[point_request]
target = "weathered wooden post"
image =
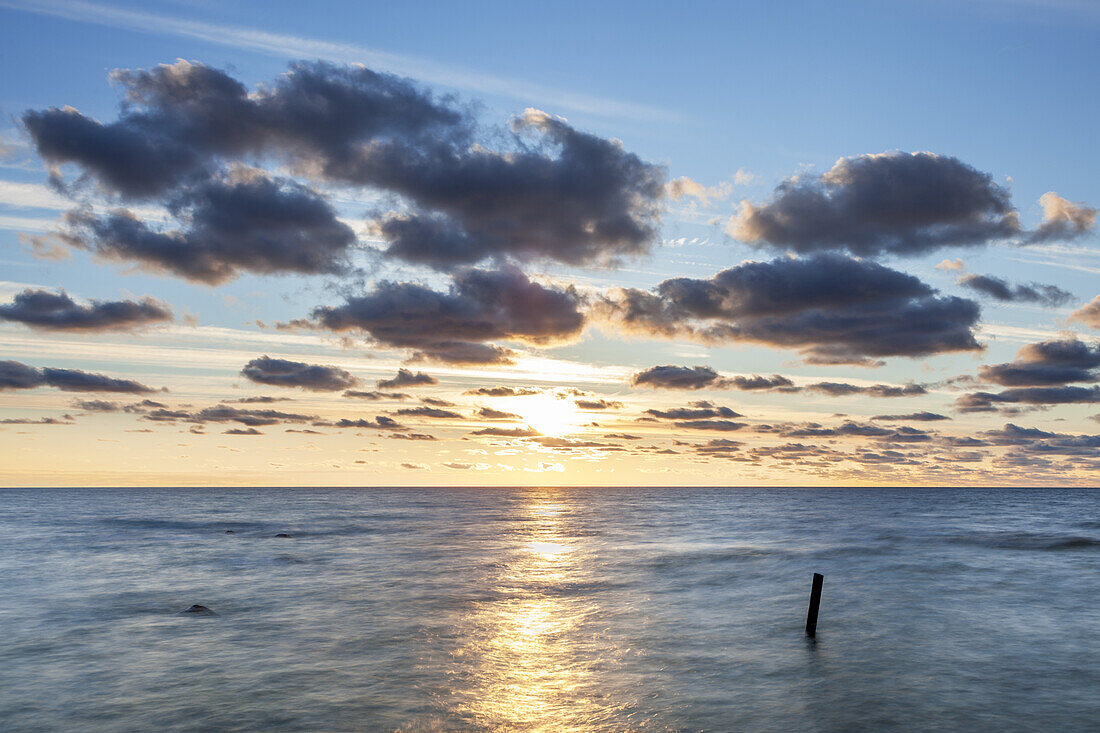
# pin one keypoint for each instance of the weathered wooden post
(815, 601)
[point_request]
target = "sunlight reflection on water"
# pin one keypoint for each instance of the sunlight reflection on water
(532, 652)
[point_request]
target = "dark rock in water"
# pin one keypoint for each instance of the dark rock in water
(201, 610)
(282, 534)
(229, 531)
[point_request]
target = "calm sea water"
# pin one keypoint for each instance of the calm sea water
(557, 610)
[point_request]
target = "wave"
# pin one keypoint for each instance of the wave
(1029, 541)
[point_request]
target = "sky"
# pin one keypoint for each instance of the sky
(743, 244)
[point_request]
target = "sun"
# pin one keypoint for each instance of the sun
(547, 413)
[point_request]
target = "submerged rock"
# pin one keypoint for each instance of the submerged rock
(196, 608)
(282, 534)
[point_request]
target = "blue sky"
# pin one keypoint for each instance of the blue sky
(734, 97)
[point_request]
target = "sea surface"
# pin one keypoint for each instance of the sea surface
(549, 610)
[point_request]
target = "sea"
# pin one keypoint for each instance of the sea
(549, 609)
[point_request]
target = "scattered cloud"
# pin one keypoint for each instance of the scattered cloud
(285, 373)
(1050, 296)
(48, 311)
(406, 378)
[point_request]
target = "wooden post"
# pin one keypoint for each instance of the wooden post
(815, 601)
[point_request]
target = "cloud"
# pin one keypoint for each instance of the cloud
(242, 431)
(890, 203)
(1048, 295)
(1033, 440)
(503, 391)
(722, 425)
(559, 194)
(380, 422)
(843, 389)
(949, 265)
(988, 401)
(433, 412)
(1089, 314)
(376, 396)
(250, 417)
(696, 411)
(64, 420)
(58, 312)
(1047, 363)
(454, 326)
(284, 373)
(488, 413)
(912, 416)
(507, 432)
(178, 118)
(406, 378)
(244, 221)
(668, 376)
(1062, 219)
(16, 375)
(832, 309)
(600, 404)
(551, 191)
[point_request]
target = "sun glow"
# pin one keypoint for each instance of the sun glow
(547, 413)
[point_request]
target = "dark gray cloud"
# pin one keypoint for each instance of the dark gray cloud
(242, 431)
(912, 416)
(488, 413)
(560, 194)
(1048, 295)
(222, 413)
(600, 404)
(507, 432)
(503, 391)
(896, 203)
(668, 376)
(722, 425)
(989, 401)
(58, 312)
(16, 375)
(376, 396)
(284, 373)
(406, 378)
(1047, 363)
(380, 422)
(432, 412)
(245, 221)
(179, 119)
(63, 420)
(831, 308)
(260, 400)
(453, 326)
(548, 192)
(1034, 440)
(843, 389)
(695, 411)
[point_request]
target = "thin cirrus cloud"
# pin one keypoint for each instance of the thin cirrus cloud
(457, 326)
(902, 204)
(282, 45)
(832, 309)
(551, 192)
(41, 309)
